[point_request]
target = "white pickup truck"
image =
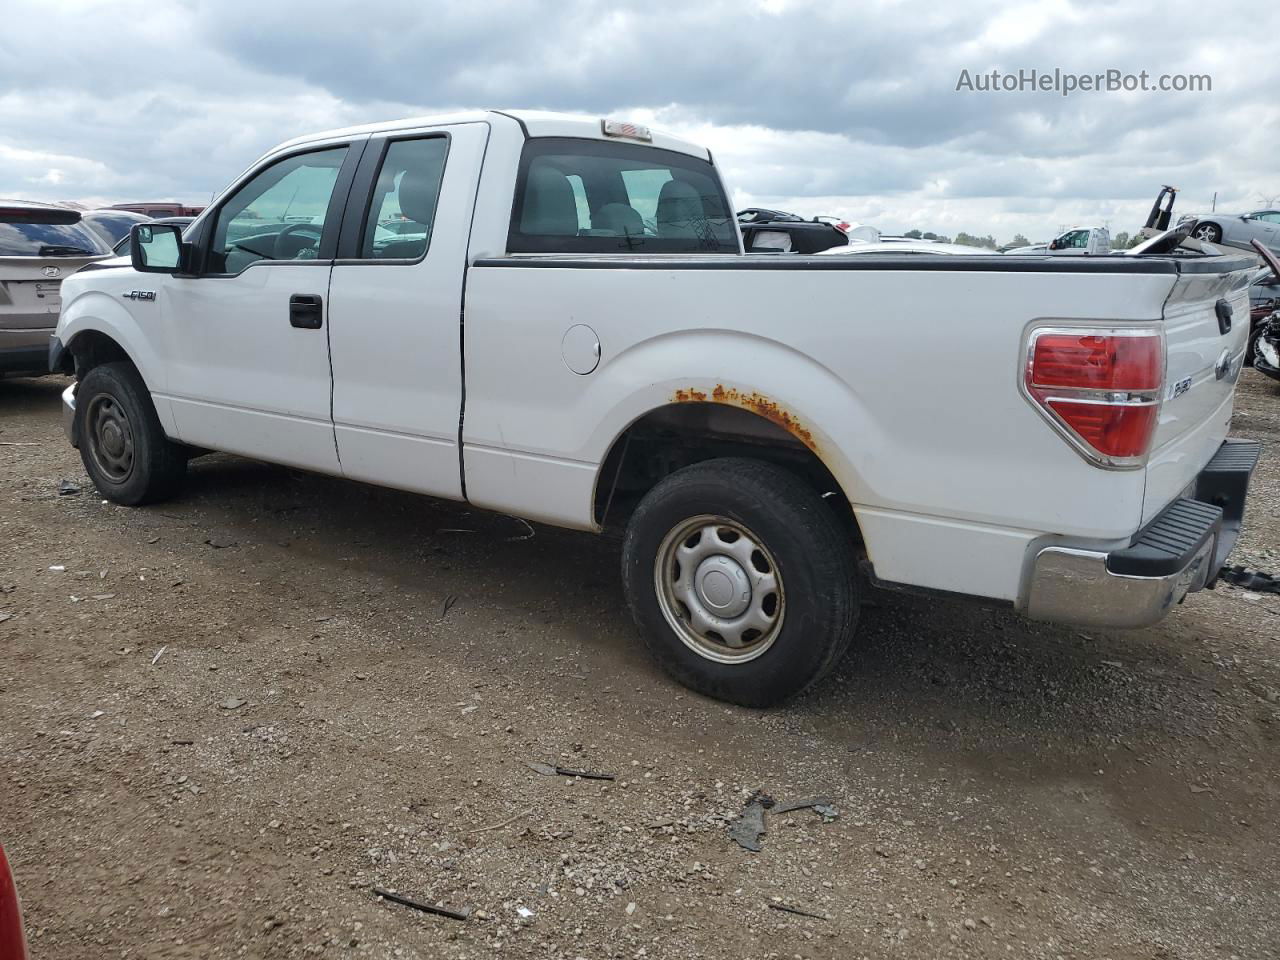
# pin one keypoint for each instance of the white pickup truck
(553, 317)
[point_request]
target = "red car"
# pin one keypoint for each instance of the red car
(13, 944)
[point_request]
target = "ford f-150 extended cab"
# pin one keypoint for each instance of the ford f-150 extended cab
(553, 317)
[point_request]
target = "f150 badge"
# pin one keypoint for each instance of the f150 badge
(139, 295)
(1179, 388)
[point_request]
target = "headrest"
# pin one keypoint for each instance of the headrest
(549, 205)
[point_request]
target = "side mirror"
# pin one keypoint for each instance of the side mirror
(1054, 245)
(158, 248)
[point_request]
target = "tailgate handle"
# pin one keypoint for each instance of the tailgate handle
(1223, 310)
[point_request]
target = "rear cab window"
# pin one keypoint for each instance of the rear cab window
(597, 196)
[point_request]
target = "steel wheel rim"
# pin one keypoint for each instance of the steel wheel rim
(719, 589)
(1206, 233)
(110, 438)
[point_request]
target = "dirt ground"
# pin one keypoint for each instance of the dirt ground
(225, 719)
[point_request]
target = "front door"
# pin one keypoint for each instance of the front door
(248, 334)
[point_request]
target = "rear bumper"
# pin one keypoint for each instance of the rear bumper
(24, 359)
(1179, 552)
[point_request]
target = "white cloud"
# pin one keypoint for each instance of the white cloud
(810, 105)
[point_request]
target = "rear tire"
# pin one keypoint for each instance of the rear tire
(741, 580)
(124, 448)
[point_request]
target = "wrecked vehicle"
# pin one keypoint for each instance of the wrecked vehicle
(566, 328)
(1264, 296)
(774, 230)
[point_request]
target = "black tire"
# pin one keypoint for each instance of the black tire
(807, 544)
(1212, 233)
(1251, 350)
(124, 448)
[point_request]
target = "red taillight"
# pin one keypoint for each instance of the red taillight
(1101, 388)
(1090, 362)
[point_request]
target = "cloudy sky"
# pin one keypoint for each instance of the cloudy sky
(828, 107)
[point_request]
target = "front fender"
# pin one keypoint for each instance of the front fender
(101, 311)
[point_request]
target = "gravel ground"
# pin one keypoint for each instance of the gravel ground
(225, 719)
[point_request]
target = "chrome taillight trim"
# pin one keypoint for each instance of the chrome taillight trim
(1141, 398)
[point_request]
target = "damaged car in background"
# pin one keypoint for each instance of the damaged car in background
(1265, 337)
(1238, 229)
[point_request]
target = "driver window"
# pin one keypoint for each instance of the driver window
(278, 215)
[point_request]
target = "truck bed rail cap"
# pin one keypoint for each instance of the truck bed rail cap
(915, 262)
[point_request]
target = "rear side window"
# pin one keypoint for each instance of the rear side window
(403, 208)
(594, 196)
(48, 240)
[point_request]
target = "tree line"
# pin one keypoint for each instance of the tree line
(1121, 241)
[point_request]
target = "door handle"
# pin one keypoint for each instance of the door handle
(306, 310)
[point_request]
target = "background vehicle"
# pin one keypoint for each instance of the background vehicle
(125, 244)
(40, 246)
(774, 230)
(1158, 220)
(1264, 298)
(111, 226)
(1029, 250)
(13, 942)
(1238, 230)
(1081, 241)
(574, 335)
(160, 209)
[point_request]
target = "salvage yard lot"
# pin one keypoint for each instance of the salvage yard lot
(228, 717)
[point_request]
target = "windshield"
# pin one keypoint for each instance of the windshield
(114, 226)
(49, 240)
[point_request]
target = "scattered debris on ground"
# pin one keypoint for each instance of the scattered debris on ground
(424, 907)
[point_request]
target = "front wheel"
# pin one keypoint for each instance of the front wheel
(741, 580)
(124, 448)
(1208, 232)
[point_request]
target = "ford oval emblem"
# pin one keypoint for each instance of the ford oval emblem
(51, 271)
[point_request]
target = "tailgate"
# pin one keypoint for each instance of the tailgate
(31, 289)
(1206, 318)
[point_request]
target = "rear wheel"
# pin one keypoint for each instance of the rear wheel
(1209, 232)
(741, 580)
(122, 444)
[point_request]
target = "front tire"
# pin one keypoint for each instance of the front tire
(124, 448)
(1208, 232)
(741, 580)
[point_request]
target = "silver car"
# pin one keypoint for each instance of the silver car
(40, 245)
(1237, 229)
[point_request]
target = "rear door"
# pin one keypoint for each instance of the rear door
(1206, 320)
(247, 337)
(395, 308)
